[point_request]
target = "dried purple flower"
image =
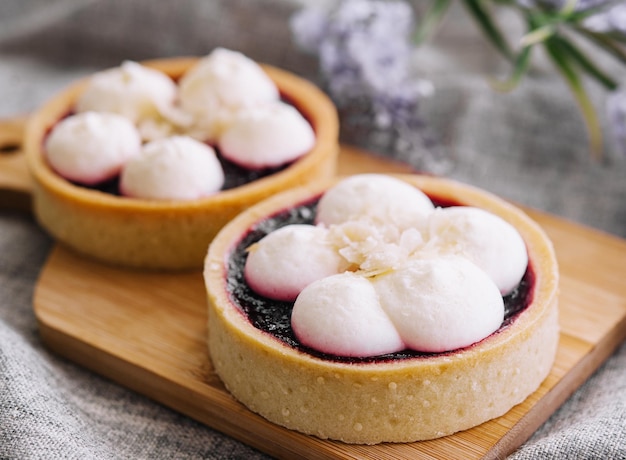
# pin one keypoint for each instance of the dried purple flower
(364, 52)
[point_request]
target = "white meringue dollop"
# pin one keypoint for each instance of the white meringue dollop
(285, 261)
(380, 197)
(484, 238)
(267, 136)
(132, 90)
(341, 315)
(174, 168)
(91, 147)
(220, 85)
(440, 304)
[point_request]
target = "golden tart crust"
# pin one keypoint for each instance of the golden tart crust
(393, 401)
(174, 234)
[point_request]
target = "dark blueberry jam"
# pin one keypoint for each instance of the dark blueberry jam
(274, 317)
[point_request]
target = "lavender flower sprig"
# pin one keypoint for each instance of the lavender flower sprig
(556, 25)
(364, 49)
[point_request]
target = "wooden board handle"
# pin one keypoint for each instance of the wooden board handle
(15, 180)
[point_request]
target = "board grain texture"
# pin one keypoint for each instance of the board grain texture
(147, 331)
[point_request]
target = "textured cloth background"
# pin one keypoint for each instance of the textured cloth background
(529, 146)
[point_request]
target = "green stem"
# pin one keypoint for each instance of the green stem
(585, 63)
(605, 43)
(538, 35)
(522, 63)
(489, 27)
(432, 18)
(565, 67)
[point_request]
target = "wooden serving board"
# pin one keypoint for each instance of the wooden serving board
(147, 331)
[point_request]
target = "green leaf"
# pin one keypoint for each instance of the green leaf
(538, 35)
(522, 62)
(432, 18)
(619, 37)
(568, 8)
(616, 38)
(489, 27)
(605, 42)
(568, 72)
(585, 63)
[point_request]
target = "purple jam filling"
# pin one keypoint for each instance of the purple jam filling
(274, 317)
